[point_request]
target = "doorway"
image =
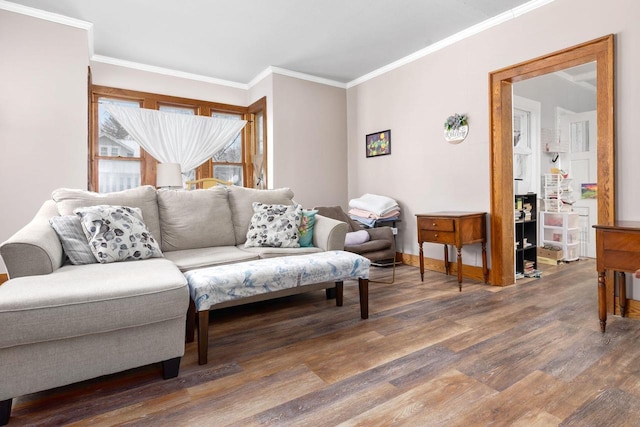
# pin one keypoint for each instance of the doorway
(501, 218)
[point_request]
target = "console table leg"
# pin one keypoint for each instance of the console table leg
(421, 264)
(203, 336)
(447, 270)
(485, 270)
(460, 268)
(622, 288)
(602, 300)
(363, 287)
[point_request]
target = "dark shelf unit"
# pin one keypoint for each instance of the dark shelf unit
(526, 229)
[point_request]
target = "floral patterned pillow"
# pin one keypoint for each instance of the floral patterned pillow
(274, 226)
(306, 228)
(117, 233)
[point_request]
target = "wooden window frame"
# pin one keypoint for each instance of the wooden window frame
(154, 101)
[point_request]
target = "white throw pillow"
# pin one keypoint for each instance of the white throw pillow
(274, 226)
(117, 233)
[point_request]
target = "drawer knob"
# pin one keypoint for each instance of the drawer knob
(434, 224)
(436, 235)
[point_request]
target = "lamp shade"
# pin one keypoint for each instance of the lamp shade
(169, 175)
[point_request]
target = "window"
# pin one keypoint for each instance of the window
(118, 162)
(115, 174)
(228, 162)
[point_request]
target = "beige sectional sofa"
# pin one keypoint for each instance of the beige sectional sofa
(62, 323)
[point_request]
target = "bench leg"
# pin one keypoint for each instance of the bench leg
(191, 322)
(5, 411)
(331, 293)
(363, 286)
(339, 290)
(203, 336)
(170, 368)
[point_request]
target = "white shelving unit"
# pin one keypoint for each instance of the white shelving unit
(558, 195)
(562, 230)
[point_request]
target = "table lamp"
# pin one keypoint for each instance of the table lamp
(169, 175)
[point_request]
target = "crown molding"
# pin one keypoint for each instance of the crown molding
(468, 32)
(308, 77)
(167, 71)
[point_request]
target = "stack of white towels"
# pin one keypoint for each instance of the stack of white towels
(370, 208)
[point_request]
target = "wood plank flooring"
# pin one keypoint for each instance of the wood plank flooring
(525, 355)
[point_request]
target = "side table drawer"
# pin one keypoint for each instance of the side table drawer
(437, 236)
(442, 224)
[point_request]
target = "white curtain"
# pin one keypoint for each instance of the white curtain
(177, 138)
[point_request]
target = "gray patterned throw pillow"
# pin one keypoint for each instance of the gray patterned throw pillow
(117, 233)
(274, 226)
(73, 239)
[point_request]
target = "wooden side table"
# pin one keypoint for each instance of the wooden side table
(617, 249)
(453, 228)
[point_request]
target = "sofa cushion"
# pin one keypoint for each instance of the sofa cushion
(271, 252)
(195, 219)
(190, 259)
(241, 202)
(117, 233)
(73, 240)
(140, 197)
(274, 225)
(70, 302)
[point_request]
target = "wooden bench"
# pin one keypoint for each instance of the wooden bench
(232, 284)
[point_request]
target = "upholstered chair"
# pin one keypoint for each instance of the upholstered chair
(379, 248)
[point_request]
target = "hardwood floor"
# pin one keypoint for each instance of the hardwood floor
(525, 355)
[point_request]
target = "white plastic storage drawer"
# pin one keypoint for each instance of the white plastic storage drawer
(572, 252)
(553, 219)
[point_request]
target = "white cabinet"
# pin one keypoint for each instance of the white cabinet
(562, 230)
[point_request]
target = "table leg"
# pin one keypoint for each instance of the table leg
(339, 293)
(485, 270)
(421, 263)
(602, 300)
(203, 336)
(447, 270)
(460, 268)
(622, 288)
(363, 287)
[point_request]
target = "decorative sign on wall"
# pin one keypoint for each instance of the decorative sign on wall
(456, 128)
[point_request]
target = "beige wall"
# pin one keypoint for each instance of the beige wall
(310, 141)
(425, 173)
(43, 115)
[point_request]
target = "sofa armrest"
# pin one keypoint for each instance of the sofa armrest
(329, 234)
(34, 249)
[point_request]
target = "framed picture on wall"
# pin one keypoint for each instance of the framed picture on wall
(378, 143)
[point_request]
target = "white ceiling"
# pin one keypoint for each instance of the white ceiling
(338, 40)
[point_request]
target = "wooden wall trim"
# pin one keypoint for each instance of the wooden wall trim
(468, 271)
(3, 278)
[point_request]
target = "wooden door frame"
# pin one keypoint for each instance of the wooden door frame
(501, 160)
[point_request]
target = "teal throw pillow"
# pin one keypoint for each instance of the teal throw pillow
(305, 230)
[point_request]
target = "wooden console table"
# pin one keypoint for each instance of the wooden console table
(618, 250)
(453, 228)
